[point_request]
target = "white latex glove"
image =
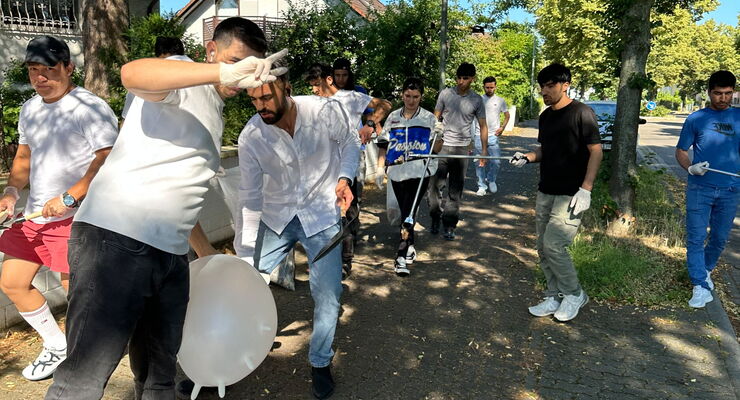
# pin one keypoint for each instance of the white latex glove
(252, 72)
(581, 201)
(379, 180)
(7, 202)
(699, 168)
(518, 160)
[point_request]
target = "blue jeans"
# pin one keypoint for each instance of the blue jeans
(325, 278)
(121, 291)
(712, 207)
(490, 171)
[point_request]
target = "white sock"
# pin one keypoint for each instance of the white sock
(43, 321)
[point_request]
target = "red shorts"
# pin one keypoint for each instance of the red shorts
(45, 244)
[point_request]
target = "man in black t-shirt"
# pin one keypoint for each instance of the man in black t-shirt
(569, 157)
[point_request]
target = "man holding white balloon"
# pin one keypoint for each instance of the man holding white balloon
(127, 251)
(297, 160)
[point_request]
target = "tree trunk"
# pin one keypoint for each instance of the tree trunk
(103, 25)
(635, 36)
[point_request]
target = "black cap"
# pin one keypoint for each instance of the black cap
(47, 50)
(466, 69)
(341, 63)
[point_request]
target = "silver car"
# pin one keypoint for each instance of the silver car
(605, 113)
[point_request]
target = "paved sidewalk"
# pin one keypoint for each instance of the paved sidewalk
(458, 327)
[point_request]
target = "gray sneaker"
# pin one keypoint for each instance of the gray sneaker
(570, 305)
(545, 308)
(709, 281)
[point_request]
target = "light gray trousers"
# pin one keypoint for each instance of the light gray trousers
(556, 228)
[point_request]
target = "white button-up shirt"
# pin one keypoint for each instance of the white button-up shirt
(284, 176)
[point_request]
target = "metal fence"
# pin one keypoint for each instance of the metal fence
(53, 16)
(267, 24)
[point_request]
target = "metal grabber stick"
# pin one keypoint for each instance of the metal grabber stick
(723, 172)
(474, 157)
(410, 218)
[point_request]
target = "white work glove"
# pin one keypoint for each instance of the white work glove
(379, 180)
(581, 201)
(439, 126)
(7, 202)
(518, 160)
(252, 72)
(699, 168)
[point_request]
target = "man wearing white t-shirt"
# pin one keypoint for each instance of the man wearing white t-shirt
(298, 159)
(129, 271)
(494, 106)
(64, 135)
(320, 77)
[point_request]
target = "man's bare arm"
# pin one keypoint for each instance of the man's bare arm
(199, 242)
(153, 78)
(594, 160)
(682, 156)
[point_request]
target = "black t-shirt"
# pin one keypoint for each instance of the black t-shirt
(564, 134)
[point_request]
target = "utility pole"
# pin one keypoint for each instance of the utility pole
(532, 87)
(443, 46)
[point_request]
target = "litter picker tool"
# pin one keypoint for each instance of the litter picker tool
(19, 220)
(469, 157)
(722, 172)
(335, 240)
(429, 157)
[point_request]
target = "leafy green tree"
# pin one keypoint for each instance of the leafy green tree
(576, 36)
(507, 55)
(684, 53)
(316, 35)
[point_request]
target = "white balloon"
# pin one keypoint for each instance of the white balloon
(230, 325)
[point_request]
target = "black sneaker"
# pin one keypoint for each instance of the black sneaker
(435, 226)
(346, 270)
(323, 383)
(449, 234)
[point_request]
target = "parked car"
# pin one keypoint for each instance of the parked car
(606, 111)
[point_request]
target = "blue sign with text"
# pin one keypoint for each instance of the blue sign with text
(405, 140)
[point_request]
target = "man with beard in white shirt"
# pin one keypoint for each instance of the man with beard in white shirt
(297, 159)
(320, 77)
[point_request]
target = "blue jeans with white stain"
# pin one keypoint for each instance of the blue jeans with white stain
(490, 171)
(713, 207)
(325, 278)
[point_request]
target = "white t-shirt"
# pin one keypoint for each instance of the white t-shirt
(494, 106)
(410, 169)
(63, 137)
(354, 104)
(153, 184)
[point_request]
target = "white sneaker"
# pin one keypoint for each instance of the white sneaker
(570, 305)
(410, 255)
(700, 297)
(400, 267)
(45, 364)
(481, 192)
(545, 308)
(492, 187)
(709, 281)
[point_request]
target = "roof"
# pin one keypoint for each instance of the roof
(365, 7)
(362, 7)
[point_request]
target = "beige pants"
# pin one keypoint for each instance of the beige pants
(556, 228)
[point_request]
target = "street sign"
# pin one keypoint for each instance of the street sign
(650, 105)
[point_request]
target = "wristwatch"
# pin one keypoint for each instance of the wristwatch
(69, 200)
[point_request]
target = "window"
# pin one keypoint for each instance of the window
(39, 15)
